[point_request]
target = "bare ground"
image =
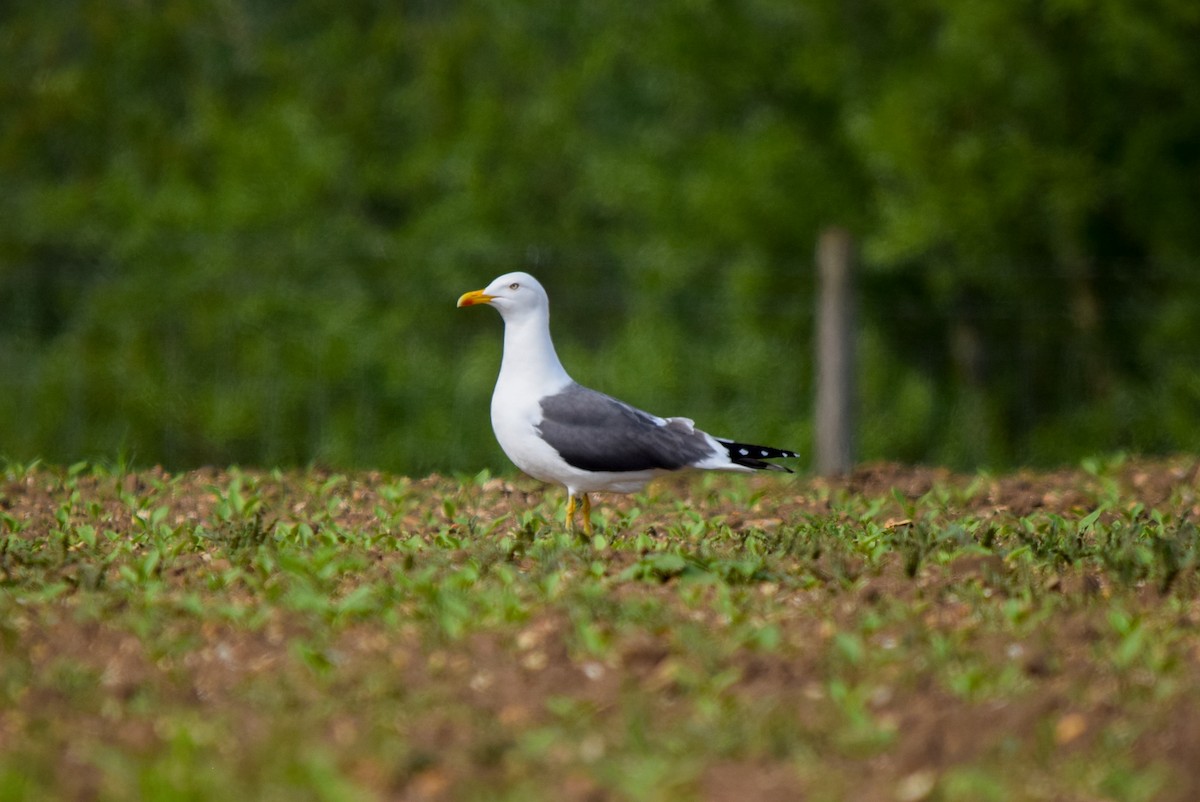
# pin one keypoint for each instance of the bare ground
(463, 709)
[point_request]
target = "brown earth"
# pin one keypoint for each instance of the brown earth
(506, 677)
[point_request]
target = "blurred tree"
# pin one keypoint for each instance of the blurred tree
(235, 231)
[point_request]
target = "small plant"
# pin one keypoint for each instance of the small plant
(218, 631)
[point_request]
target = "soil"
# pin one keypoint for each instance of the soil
(508, 679)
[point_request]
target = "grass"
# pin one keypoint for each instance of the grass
(903, 634)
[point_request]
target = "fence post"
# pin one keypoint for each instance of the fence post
(834, 423)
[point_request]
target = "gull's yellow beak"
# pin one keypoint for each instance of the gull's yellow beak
(474, 297)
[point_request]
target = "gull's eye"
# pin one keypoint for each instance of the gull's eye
(514, 286)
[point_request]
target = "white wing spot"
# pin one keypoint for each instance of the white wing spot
(743, 451)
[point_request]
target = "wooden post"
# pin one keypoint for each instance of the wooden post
(834, 436)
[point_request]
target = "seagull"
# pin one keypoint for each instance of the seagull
(560, 432)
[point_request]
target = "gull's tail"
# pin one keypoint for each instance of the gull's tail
(750, 456)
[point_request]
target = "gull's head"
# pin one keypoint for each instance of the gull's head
(515, 295)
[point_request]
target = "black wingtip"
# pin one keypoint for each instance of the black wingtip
(752, 456)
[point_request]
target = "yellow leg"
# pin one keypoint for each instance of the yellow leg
(585, 507)
(587, 514)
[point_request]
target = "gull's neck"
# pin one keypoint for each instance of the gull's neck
(529, 356)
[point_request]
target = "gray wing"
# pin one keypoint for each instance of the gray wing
(596, 432)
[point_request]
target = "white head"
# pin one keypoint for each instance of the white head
(516, 296)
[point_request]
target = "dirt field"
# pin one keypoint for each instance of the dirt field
(899, 634)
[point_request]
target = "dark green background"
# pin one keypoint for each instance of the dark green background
(235, 231)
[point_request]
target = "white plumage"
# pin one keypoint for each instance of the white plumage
(558, 431)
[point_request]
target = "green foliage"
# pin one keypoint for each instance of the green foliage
(314, 636)
(235, 232)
